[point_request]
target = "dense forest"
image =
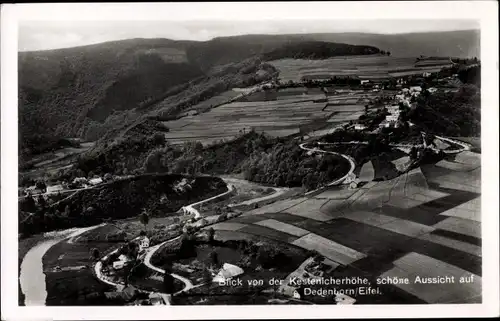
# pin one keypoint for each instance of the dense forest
(448, 113)
(154, 193)
(318, 50)
(87, 91)
(262, 159)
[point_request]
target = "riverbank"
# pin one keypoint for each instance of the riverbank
(32, 272)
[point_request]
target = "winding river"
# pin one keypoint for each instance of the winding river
(32, 276)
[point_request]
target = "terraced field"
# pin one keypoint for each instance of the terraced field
(278, 113)
(365, 67)
(282, 117)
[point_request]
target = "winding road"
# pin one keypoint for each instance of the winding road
(32, 277)
(337, 181)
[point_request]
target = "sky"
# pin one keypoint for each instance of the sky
(37, 35)
(52, 26)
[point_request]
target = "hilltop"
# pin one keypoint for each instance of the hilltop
(460, 44)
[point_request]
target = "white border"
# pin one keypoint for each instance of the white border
(485, 11)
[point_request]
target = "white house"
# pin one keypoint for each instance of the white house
(190, 210)
(80, 180)
(365, 81)
(400, 97)
(143, 244)
(432, 89)
(33, 190)
(95, 181)
(54, 188)
(122, 260)
(228, 271)
(359, 127)
(415, 89)
(390, 118)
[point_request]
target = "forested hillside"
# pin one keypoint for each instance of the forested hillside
(102, 90)
(87, 91)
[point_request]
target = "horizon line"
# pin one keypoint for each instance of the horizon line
(253, 34)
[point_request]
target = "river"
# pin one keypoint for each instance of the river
(32, 277)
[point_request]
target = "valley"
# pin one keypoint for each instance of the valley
(294, 160)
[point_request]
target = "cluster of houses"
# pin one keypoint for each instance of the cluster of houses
(78, 182)
(123, 260)
(82, 182)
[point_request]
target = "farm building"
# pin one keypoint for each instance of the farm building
(33, 190)
(388, 123)
(227, 272)
(95, 181)
(359, 127)
(54, 188)
(143, 243)
(391, 118)
(122, 261)
(400, 97)
(80, 180)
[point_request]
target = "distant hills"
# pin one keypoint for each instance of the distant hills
(84, 91)
(461, 43)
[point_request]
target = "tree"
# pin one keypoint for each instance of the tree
(95, 254)
(133, 250)
(388, 53)
(211, 234)
(107, 177)
(214, 258)
(41, 201)
(41, 186)
(413, 153)
(144, 219)
(67, 211)
(154, 163)
(168, 279)
(207, 276)
(158, 139)
(28, 204)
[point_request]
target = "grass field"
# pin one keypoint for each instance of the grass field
(366, 67)
(71, 287)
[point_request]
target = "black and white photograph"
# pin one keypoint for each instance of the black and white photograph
(169, 155)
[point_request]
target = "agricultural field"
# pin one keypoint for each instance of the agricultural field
(279, 113)
(214, 101)
(365, 67)
(277, 118)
